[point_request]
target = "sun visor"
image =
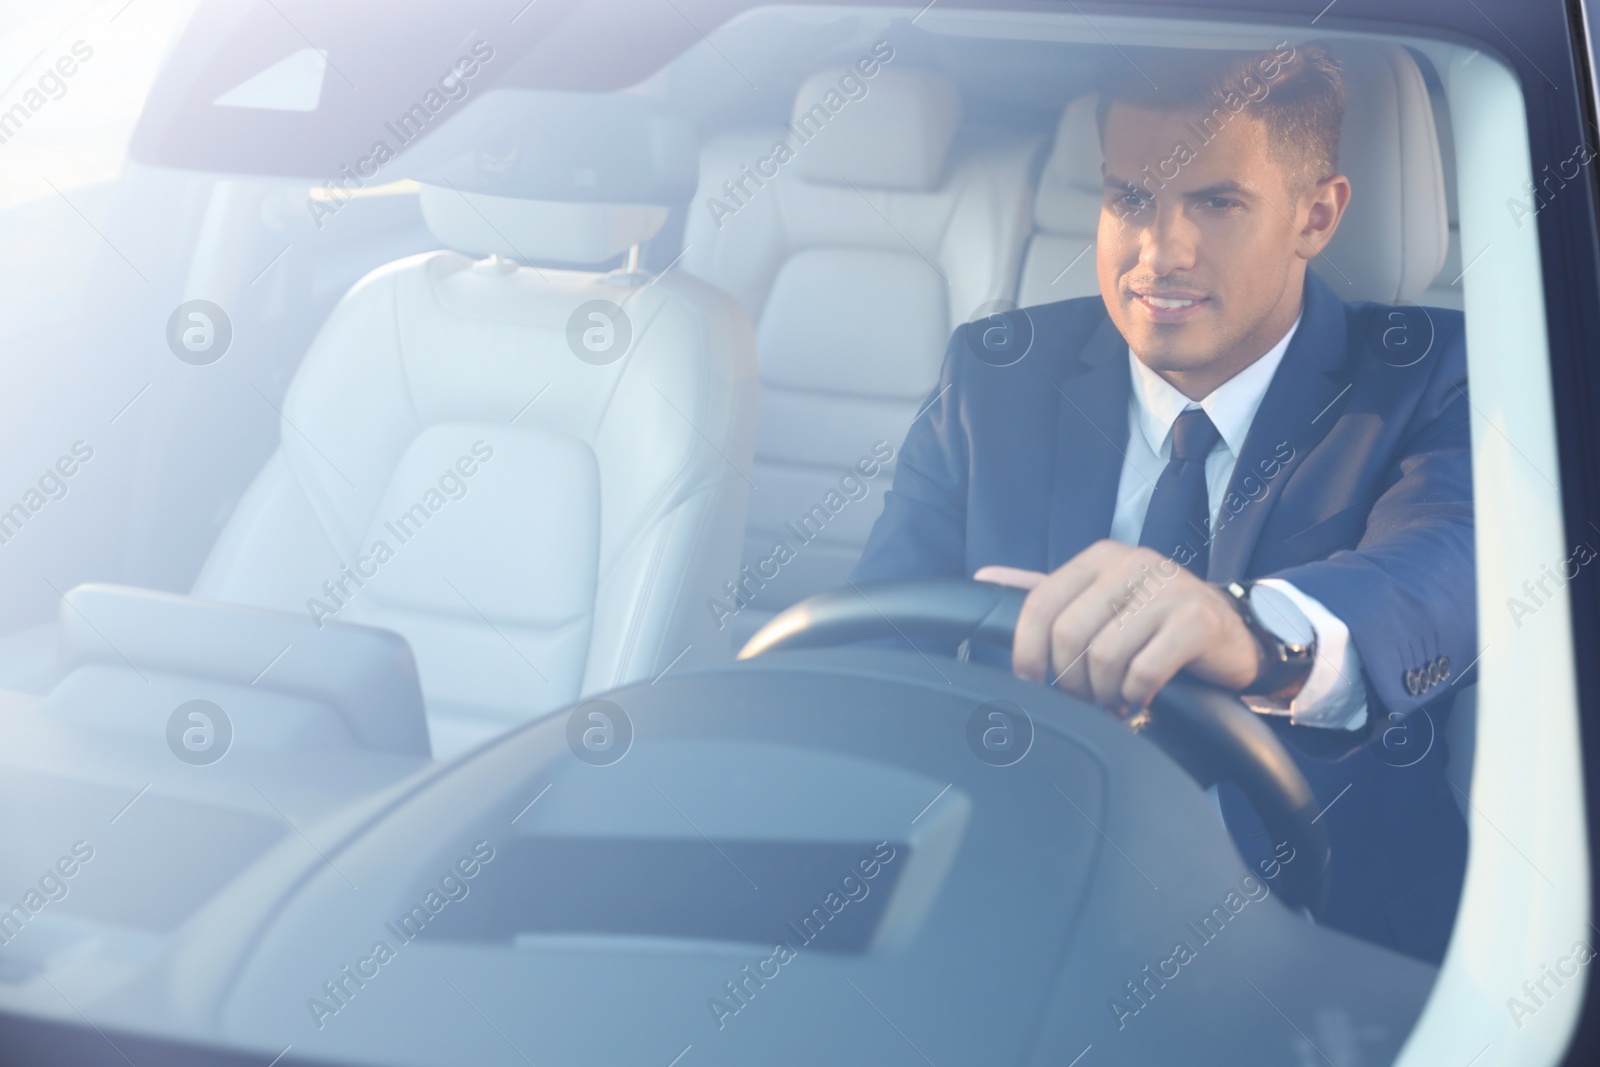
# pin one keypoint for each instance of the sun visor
(311, 89)
(613, 148)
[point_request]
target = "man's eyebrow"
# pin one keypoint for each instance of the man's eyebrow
(1225, 188)
(1222, 188)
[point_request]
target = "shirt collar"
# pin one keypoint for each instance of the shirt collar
(1231, 406)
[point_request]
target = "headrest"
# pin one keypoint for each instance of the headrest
(538, 231)
(890, 131)
(1394, 236)
(556, 177)
(1070, 187)
(615, 148)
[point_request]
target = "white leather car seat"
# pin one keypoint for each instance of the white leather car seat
(1059, 263)
(1394, 236)
(890, 226)
(550, 525)
(1445, 292)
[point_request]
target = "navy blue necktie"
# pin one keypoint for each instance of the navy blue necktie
(1179, 519)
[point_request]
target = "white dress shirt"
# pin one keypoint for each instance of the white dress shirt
(1333, 695)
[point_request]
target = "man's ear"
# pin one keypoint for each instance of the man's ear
(1324, 205)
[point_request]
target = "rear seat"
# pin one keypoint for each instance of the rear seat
(888, 227)
(1445, 292)
(1066, 213)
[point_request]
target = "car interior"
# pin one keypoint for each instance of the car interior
(929, 203)
(418, 508)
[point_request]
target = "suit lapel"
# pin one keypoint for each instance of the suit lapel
(1299, 407)
(1091, 438)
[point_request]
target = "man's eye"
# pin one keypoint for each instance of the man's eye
(1221, 203)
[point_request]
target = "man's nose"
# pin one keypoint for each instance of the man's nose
(1168, 242)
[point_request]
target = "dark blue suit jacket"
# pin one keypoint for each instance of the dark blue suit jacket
(1355, 484)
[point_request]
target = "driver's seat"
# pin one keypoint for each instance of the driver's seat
(537, 493)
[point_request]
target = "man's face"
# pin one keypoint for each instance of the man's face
(1201, 252)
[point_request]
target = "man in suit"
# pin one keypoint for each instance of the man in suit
(1219, 467)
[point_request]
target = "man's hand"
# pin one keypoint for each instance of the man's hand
(1115, 623)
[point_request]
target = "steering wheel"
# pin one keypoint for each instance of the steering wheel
(1206, 730)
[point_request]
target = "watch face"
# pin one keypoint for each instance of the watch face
(1278, 614)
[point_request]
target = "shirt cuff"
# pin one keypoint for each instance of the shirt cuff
(1334, 696)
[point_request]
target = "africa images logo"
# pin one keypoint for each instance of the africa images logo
(451, 485)
(807, 124)
(453, 87)
(1208, 127)
(1210, 926)
(199, 733)
(852, 888)
(52, 886)
(853, 486)
(199, 332)
(452, 887)
(51, 85)
(51, 486)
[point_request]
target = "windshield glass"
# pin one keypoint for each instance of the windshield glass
(407, 425)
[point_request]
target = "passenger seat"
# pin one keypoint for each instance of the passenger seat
(470, 459)
(857, 257)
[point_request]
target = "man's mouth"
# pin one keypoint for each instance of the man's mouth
(1169, 307)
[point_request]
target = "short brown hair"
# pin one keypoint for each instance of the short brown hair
(1297, 91)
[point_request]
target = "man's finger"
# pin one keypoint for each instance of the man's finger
(1084, 636)
(1031, 645)
(1170, 649)
(1015, 577)
(1111, 652)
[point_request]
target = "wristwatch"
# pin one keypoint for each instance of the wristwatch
(1285, 636)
